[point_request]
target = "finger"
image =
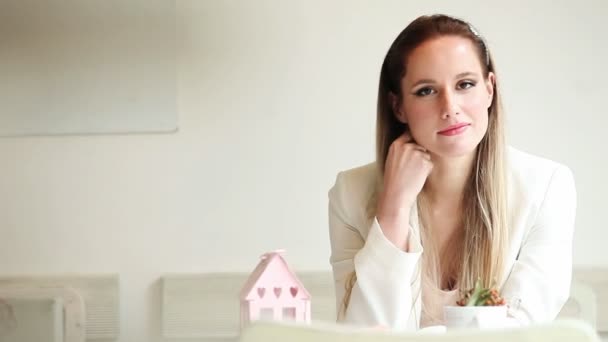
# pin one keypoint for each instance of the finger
(429, 165)
(416, 147)
(419, 148)
(404, 138)
(423, 154)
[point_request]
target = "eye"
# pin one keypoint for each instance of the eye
(424, 91)
(466, 85)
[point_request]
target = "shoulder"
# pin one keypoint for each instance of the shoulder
(532, 179)
(363, 176)
(533, 172)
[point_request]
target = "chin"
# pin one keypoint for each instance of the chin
(454, 150)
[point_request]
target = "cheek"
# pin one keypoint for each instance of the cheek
(478, 112)
(476, 106)
(420, 113)
(422, 123)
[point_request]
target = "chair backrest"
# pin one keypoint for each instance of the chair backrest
(557, 331)
(28, 312)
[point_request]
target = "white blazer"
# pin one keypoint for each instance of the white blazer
(538, 267)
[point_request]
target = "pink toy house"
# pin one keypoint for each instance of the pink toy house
(273, 292)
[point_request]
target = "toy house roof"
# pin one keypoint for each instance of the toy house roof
(272, 268)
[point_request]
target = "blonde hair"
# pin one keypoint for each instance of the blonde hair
(480, 252)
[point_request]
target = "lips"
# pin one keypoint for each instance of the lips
(454, 129)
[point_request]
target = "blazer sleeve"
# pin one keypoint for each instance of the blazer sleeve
(382, 293)
(539, 282)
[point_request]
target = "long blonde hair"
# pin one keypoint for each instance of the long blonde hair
(481, 251)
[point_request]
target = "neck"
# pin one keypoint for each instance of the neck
(446, 184)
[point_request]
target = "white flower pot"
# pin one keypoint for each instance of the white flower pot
(482, 317)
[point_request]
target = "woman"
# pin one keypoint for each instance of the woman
(446, 203)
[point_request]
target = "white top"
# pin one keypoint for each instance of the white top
(538, 266)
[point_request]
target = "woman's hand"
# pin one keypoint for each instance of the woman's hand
(407, 167)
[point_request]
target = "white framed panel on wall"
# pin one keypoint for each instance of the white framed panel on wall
(87, 67)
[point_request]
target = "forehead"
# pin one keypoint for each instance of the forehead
(442, 57)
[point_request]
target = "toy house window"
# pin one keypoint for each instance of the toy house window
(266, 314)
(289, 313)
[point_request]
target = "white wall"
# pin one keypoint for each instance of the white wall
(274, 98)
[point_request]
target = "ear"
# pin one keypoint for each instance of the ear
(490, 87)
(397, 109)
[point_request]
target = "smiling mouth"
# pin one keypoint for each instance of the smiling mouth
(455, 129)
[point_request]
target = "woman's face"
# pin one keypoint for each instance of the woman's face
(445, 98)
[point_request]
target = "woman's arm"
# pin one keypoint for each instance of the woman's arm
(539, 282)
(382, 292)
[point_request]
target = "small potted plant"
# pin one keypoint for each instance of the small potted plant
(478, 307)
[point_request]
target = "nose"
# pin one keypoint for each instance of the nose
(449, 107)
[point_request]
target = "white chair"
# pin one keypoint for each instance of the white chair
(57, 313)
(557, 331)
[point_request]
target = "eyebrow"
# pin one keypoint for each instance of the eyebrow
(428, 80)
